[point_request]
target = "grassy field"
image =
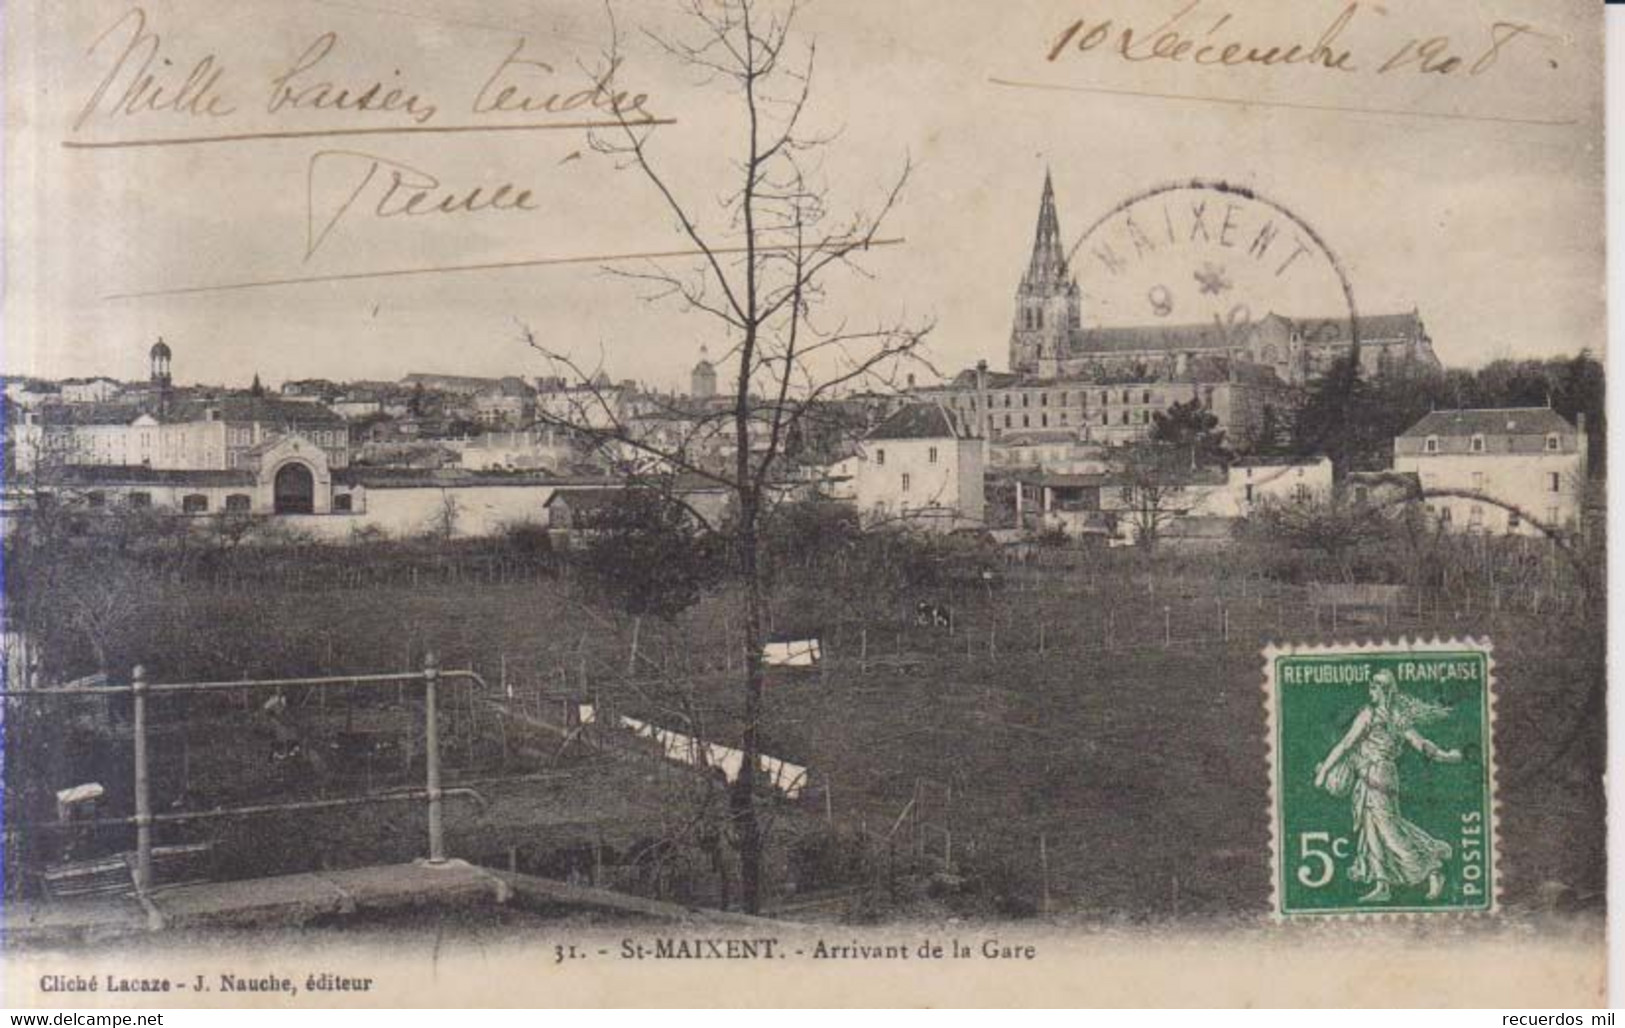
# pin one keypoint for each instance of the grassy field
(1098, 734)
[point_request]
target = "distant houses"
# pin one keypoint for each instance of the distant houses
(465, 455)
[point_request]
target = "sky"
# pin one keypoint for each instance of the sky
(1475, 198)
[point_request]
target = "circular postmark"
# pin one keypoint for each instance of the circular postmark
(1203, 269)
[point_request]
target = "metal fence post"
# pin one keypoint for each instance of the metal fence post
(431, 745)
(143, 784)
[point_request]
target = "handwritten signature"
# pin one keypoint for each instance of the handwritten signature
(402, 190)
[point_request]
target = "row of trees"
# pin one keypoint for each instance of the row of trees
(1353, 418)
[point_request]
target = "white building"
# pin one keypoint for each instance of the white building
(1495, 470)
(1282, 480)
(538, 448)
(184, 435)
(921, 466)
(90, 390)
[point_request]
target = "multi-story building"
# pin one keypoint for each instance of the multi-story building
(90, 390)
(508, 402)
(920, 467)
(1111, 410)
(1497, 470)
(173, 430)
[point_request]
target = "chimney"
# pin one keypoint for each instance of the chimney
(981, 432)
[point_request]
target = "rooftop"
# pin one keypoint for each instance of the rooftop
(918, 421)
(1537, 421)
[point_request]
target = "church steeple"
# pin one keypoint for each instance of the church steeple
(1048, 300)
(1048, 265)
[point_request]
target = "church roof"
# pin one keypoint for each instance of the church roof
(1374, 328)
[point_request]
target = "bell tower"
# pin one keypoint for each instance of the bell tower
(1048, 301)
(160, 355)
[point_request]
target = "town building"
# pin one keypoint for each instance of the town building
(1498, 470)
(172, 430)
(1256, 480)
(509, 402)
(89, 390)
(1012, 410)
(921, 467)
(703, 379)
(538, 448)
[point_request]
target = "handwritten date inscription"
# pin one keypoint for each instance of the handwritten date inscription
(1210, 36)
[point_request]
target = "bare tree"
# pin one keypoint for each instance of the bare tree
(762, 263)
(1152, 478)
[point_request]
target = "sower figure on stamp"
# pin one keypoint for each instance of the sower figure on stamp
(1389, 850)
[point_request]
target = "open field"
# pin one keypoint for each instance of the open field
(1096, 735)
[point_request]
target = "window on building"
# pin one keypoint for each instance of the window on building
(141, 501)
(1105, 397)
(1554, 482)
(1145, 417)
(195, 503)
(1043, 399)
(1301, 493)
(1026, 421)
(1024, 398)
(1007, 399)
(932, 455)
(343, 503)
(1513, 521)
(1553, 443)
(1125, 396)
(1007, 421)
(96, 498)
(905, 482)
(1475, 517)
(1431, 445)
(1145, 397)
(1552, 517)
(239, 503)
(880, 458)
(1043, 420)
(1249, 493)
(1105, 418)
(1444, 516)
(1477, 445)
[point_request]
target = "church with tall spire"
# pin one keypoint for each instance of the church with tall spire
(1048, 340)
(1048, 301)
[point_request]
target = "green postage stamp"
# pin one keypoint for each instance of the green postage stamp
(1382, 778)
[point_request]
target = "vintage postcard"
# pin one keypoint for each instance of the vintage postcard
(789, 502)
